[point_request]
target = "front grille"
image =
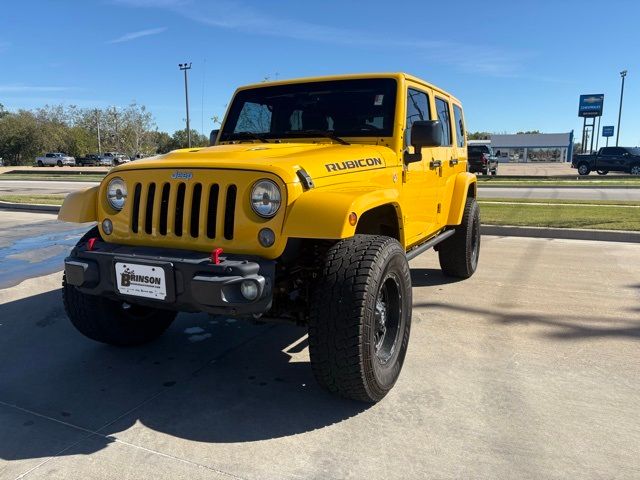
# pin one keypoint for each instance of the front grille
(183, 210)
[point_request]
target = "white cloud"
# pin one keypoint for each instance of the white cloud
(235, 15)
(139, 34)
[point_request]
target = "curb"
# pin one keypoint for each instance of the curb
(562, 233)
(30, 207)
(496, 230)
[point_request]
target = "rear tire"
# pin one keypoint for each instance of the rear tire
(459, 253)
(583, 169)
(40, 164)
(635, 170)
(59, 163)
(360, 317)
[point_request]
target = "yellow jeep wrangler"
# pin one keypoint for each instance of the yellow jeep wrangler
(307, 207)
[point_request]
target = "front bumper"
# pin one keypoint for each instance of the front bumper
(193, 282)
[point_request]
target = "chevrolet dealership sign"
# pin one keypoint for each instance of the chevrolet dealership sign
(591, 105)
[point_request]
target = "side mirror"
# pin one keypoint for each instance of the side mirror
(424, 133)
(213, 136)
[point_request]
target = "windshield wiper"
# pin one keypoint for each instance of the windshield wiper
(317, 133)
(249, 135)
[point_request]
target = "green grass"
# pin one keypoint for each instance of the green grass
(561, 202)
(47, 176)
(559, 216)
(50, 199)
(559, 182)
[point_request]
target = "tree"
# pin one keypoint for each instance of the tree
(479, 136)
(179, 139)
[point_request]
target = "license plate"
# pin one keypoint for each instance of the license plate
(141, 280)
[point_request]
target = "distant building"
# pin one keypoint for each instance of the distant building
(531, 147)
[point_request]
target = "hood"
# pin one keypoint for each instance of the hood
(284, 159)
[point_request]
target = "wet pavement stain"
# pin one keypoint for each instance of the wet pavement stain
(36, 255)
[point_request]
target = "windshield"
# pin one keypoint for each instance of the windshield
(634, 151)
(350, 108)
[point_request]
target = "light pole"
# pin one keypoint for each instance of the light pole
(622, 74)
(185, 67)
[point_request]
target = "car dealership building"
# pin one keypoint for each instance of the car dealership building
(531, 147)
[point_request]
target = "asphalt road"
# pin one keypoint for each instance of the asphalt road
(593, 193)
(23, 187)
(528, 370)
(51, 187)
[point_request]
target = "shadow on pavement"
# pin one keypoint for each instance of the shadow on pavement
(429, 277)
(567, 327)
(210, 380)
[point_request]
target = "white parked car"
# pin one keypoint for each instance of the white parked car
(55, 158)
(110, 159)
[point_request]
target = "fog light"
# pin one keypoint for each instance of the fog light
(266, 237)
(249, 290)
(107, 226)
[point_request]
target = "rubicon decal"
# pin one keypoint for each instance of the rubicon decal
(350, 164)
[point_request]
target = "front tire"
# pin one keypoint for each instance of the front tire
(635, 170)
(459, 253)
(111, 321)
(360, 317)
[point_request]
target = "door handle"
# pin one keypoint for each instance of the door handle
(453, 161)
(435, 164)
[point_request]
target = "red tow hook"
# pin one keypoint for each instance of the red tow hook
(215, 255)
(91, 243)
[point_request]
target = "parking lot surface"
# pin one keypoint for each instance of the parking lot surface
(527, 370)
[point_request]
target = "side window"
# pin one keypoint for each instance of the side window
(442, 107)
(608, 151)
(49, 155)
(254, 117)
(460, 133)
(417, 109)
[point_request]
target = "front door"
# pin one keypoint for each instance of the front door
(420, 182)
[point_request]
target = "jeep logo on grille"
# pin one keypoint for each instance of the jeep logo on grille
(182, 175)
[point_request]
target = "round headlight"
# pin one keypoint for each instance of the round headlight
(265, 198)
(117, 193)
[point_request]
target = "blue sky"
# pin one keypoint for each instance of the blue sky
(515, 65)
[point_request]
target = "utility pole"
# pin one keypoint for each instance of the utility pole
(115, 116)
(98, 125)
(184, 67)
(622, 74)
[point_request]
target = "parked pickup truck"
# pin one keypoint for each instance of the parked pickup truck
(609, 159)
(90, 160)
(111, 159)
(481, 159)
(55, 158)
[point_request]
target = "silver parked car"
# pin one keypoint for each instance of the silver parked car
(55, 158)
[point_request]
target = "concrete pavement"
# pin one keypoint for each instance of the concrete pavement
(527, 370)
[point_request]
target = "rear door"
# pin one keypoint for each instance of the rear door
(609, 159)
(442, 158)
